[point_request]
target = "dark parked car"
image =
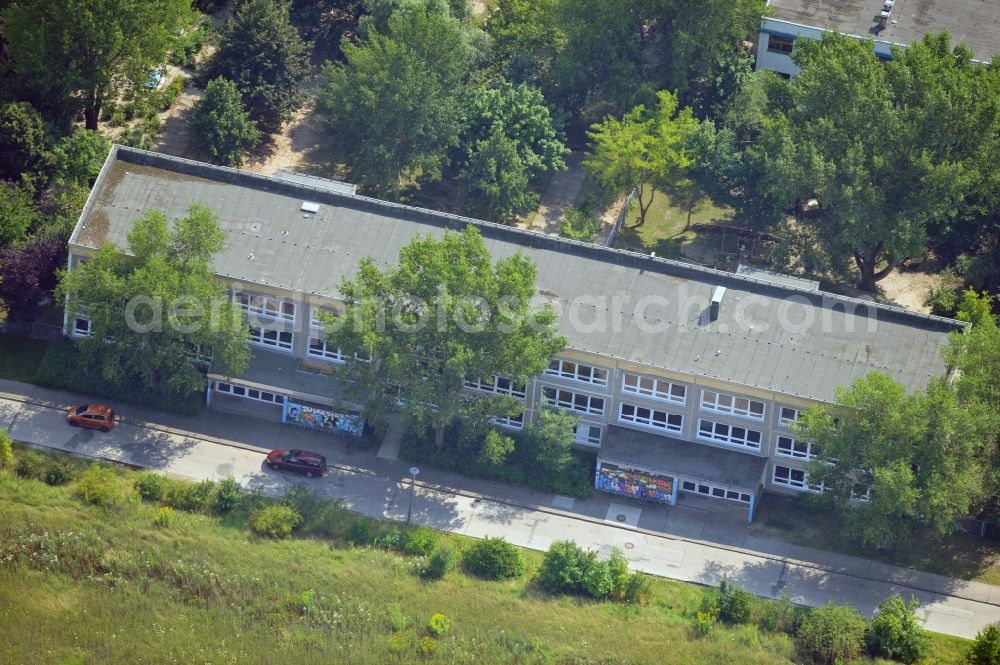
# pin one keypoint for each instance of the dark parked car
(92, 416)
(301, 461)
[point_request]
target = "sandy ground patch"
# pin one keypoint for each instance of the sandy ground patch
(909, 288)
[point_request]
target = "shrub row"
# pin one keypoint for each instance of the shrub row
(65, 368)
(568, 568)
(47, 468)
(221, 497)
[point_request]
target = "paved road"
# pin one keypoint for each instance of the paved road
(215, 445)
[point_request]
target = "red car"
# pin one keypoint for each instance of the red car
(92, 416)
(300, 461)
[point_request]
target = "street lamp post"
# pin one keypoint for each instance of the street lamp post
(413, 482)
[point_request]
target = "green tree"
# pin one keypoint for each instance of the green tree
(447, 313)
(919, 458)
(86, 52)
(886, 149)
(642, 150)
(832, 633)
(413, 80)
(78, 157)
(261, 52)
(152, 309)
(24, 144)
(495, 180)
(550, 440)
(985, 650)
(17, 214)
(222, 128)
(896, 633)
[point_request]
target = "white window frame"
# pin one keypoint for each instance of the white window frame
(316, 309)
(729, 438)
(784, 40)
(797, 485)
(659, 389)
(650, 421)
(246, 392)
(583, 434)
(510, 422)
(322, 350)
(711, 491)
(785, 422)
(197, 353)
(501, 385)
(82, 331)
(261, 338)
(258, 304)
(715, 404)
(570, 404)
(793, 448)
(559, 367)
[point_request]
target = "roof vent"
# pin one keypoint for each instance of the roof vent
(250, 257)
(309, 206)
(713, 310)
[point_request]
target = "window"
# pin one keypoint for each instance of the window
(789, 447)
(319, 348)
(640, 415)
(728, 434)
(738, 406)
(276, 338)
(499, 385)
(511, 422)
(314, 320)
(248, 393)
(270, 306)
(571, 370)
(787, 416)
(567, 399)
(82, 327)
(794, 478)
(655, 388)
(780, 44)
(587, 434)
(715, 491)
(200, 353)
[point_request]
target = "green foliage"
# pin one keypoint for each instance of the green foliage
(31, 465)
(24, 145)
(494, 559)
(496, 447)
(268, 81)
(227, 495)
(704, 623)
(89, 50)
(150, 486)
(579, 224)
(164, 517)
(412, 78)
(53, 470)
(733, 604)
(475, 321)
(143, 135)
(985, 650)
(438, 625)
(362, 532)
(976, 308)
(397, 619)
(59, 472)
(190, 43)
(550, 440)
(17, 214)
(567, 568)
(192, 497)
(6, 450)
(428, 646)
(391, 539)
(441, 562)
(775, 616)
(420, 541)
(173, 303)
(165, 98)
(832, 633)
(275, 521)
(222, 128)
(100, 486)
(896, 633)
(78, 157)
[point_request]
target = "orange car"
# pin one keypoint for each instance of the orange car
(93, 416)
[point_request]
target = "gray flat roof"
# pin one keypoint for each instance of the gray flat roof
(673, 457)
(614, 303)
(974, 22)
(285, 372)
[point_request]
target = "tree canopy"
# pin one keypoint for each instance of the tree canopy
(82, 53)
(153, 311)
(445, 315)
(222, 128)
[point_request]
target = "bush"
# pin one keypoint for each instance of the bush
(164, 517)
(428, 645)
(494, 559)
(31, 465)
(896, 633)
(734, 605)
(6, 450)
(99, 486)
(832, 633)
(776, 616)
(192, 497)
(397, 620)
(565, 567)
(704, 622)
(150, 486)
(391, 539)
(362, 532)
(167, 96)
(441, 562)
(227, 495)
(277, 521)
(579, 224)
(985, 650)
(438, 625)
(59, 472)
(420, 541)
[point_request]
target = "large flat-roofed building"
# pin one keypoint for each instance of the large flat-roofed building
(684, 379)
(889, 23)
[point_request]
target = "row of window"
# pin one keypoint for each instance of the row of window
(578, 402)
(640, 415)
(707, 489)
(269, 306)
(577, 372)
(499, 385)
(248, 393)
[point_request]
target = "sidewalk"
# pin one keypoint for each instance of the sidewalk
(697, 541)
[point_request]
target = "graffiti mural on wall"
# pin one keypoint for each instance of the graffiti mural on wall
(634, 484)
(327, 421)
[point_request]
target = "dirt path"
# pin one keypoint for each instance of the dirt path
(562, 192)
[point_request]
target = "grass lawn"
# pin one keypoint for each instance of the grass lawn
(20, 357)
(663, 232)
(958, 555)
(205, 590)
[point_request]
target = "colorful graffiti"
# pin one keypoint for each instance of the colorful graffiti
(634, 484)
(326, 421)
